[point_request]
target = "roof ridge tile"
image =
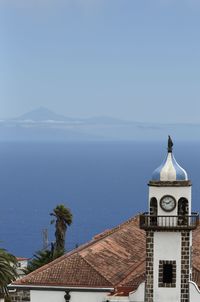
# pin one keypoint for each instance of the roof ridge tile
(118, 227)
(131, 271)
(96, 270)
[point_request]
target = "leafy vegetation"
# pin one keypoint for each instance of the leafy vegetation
(7, 270)
(40, 258)
(62, 219)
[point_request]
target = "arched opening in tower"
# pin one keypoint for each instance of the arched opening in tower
(183, 211)
(153, 210)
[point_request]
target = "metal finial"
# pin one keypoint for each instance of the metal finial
(67, 296)
(170, 144)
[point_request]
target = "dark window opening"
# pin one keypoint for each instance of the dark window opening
(183, 211)
(167, 273)
(183, 206)
(153, 210)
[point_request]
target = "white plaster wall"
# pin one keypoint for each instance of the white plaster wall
(194, 292)
(177, 192)
(87, 297)
(118, 299)
(138, 295)
(47, 296)
(167, 246)
(58, 296)
(23, 263)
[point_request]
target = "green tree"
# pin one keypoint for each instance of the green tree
(62, 219)
(40, 258)
(7, 270)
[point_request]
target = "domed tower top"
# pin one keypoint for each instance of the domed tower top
(169, 169)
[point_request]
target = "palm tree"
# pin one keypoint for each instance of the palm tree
(40, 258)
(7, 270)
(63, 218)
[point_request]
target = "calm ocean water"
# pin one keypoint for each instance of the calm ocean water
(103, 183)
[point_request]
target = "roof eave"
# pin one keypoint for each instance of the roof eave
(60, 288)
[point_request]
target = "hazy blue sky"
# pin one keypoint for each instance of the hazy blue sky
(132, 59)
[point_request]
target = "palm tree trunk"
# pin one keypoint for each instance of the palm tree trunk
(60, 237)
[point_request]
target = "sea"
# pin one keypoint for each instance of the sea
(102, 183)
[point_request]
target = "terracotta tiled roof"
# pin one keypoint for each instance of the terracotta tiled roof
(66, 271)
(196, 248)
(103, 262)
(135, 277)
(117, 253)
(115, 258)
(21, 259)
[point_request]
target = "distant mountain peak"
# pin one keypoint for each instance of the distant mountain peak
(42, 114)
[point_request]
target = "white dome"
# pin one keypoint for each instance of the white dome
(170, 169)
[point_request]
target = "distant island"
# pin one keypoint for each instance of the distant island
(43, 124)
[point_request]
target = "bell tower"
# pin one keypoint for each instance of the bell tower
(168, 225)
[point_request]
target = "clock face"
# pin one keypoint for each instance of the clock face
(168, 203)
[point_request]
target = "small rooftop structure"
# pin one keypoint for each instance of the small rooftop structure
(22, 264)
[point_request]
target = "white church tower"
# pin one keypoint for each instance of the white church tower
(168, 225)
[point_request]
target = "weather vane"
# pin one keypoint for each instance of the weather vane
(170, 144)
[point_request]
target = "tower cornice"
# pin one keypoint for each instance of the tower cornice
(181, 183)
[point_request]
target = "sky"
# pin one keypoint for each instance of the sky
(132, 59)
